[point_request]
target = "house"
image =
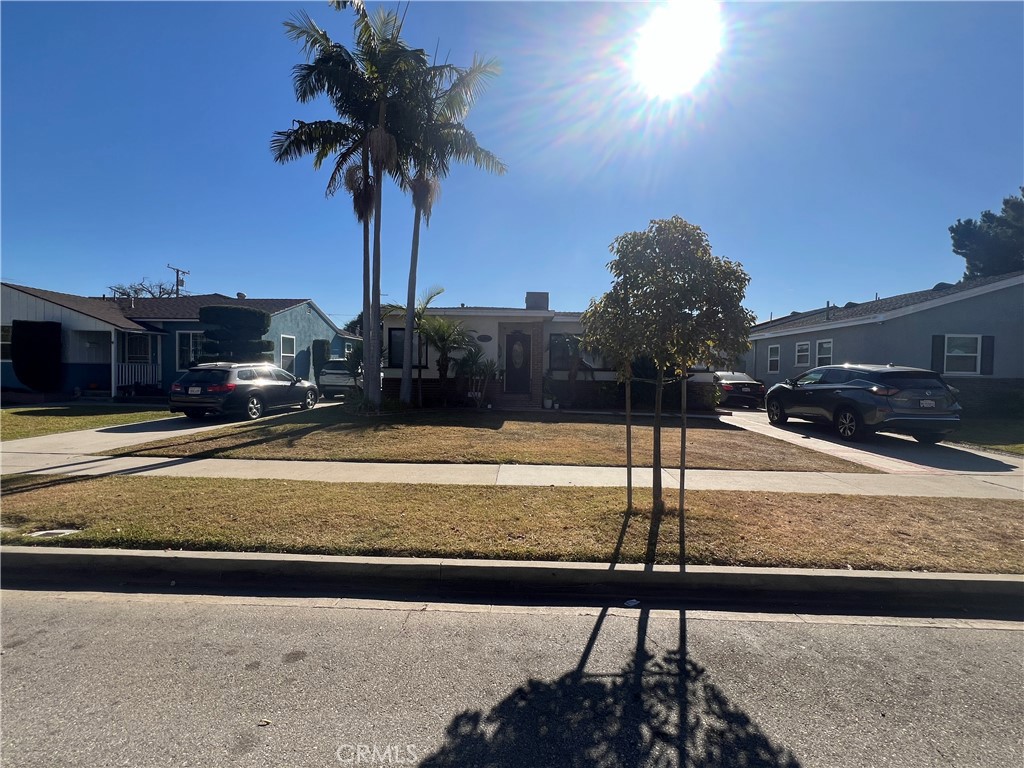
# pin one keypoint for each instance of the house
(147, 343)
(972, 333)
(523, 341)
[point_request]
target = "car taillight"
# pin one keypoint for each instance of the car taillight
(176, 387)
(727, 387)
(885, 391)
(217, 389)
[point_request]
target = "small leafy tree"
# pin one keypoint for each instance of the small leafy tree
(239, 337)
(447, 337)
(681, 306)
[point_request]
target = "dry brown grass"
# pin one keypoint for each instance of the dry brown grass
(475, 437)
(583, 524)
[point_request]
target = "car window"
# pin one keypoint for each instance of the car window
(837, 376)
(335, 366)
(732, 376)
(811, 377)
(204, 377)
(281, 375)
(912, 380)
(264, 374)
(246, 374)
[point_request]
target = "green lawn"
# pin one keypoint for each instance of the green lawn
(467, 436)
(33, 421)
(567, 524)
(1001, 434)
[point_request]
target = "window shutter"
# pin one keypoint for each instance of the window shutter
(938, 353)
(988, 344)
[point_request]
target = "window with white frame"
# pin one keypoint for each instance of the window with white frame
(803, 354)
(773, 358)
(136, 349)
(823, 352)
(190, 348)
(348, 348)
(288, 353)
(5, 342)
(963, 354)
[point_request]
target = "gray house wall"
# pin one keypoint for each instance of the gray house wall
(907, 340)
(305, 324)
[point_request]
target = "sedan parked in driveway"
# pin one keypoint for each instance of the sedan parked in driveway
(860, 399)
(737, 388)
(247, 389)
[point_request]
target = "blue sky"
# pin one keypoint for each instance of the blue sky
(827, 151)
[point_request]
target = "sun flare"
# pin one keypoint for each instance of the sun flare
(677, 46)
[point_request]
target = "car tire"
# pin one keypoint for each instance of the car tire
(196, 414)
(849, 425)
(929, 439)
(309, 400)
(776, 413)
(254, 407)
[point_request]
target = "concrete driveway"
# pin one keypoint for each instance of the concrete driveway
(895, 454)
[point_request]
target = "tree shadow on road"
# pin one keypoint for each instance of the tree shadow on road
(629, 717)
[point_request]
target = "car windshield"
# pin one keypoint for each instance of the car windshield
(912, 380)
(204, 377)
(335, 366)
(731, 376)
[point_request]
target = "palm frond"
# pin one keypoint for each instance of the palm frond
(302, 29)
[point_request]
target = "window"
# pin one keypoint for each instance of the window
(396, 348)
(190, 348)
(136, 349)
(773, 358)
(823, 353)
(558, 350)
(811, 377)
(5, 342)
(838, 376)
(803, 354)
(288, 353)
(963, 354)
(348, 348)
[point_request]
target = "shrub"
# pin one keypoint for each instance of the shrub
(35, 354)
(239, 337)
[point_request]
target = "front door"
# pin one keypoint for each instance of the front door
(517, 363)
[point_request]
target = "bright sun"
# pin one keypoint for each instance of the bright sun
(676, 47)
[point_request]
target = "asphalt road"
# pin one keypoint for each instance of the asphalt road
(93, 679)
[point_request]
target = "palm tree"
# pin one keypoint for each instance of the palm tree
(444, 97)
(361, 84)
(447, 337)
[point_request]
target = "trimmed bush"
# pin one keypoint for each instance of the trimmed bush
(239, 337)
(321, 354)
(35, 354)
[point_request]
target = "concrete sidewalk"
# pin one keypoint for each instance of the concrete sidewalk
(974, 486)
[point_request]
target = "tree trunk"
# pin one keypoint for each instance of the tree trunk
(365, 330)
(405, 391)
(372, 377)
(656, 491)
(629, 448)
(682, 475)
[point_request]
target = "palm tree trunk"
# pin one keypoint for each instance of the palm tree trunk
(405, 391)
(374, 388)
(656, 492)
(365, 330)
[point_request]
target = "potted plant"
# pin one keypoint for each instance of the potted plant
(549, 397)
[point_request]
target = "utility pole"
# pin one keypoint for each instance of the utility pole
(178, 279)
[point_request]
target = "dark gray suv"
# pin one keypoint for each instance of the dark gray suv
(248, 389)
(861, 399)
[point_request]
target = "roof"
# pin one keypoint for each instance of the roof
(105, 311)
(852, 312)
(187, 307)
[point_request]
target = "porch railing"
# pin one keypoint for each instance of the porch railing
(129, 374)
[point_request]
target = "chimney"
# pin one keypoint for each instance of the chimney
(536, 300)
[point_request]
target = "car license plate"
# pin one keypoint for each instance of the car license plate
(746, 389)
(195, 390)
(927, 403)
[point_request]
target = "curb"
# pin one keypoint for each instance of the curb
(941, 594)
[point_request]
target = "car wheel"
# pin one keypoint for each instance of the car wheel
(849, 425)
(254, 407)
(929, 439)
(309, 400)
(196, 414)
(776, 413)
